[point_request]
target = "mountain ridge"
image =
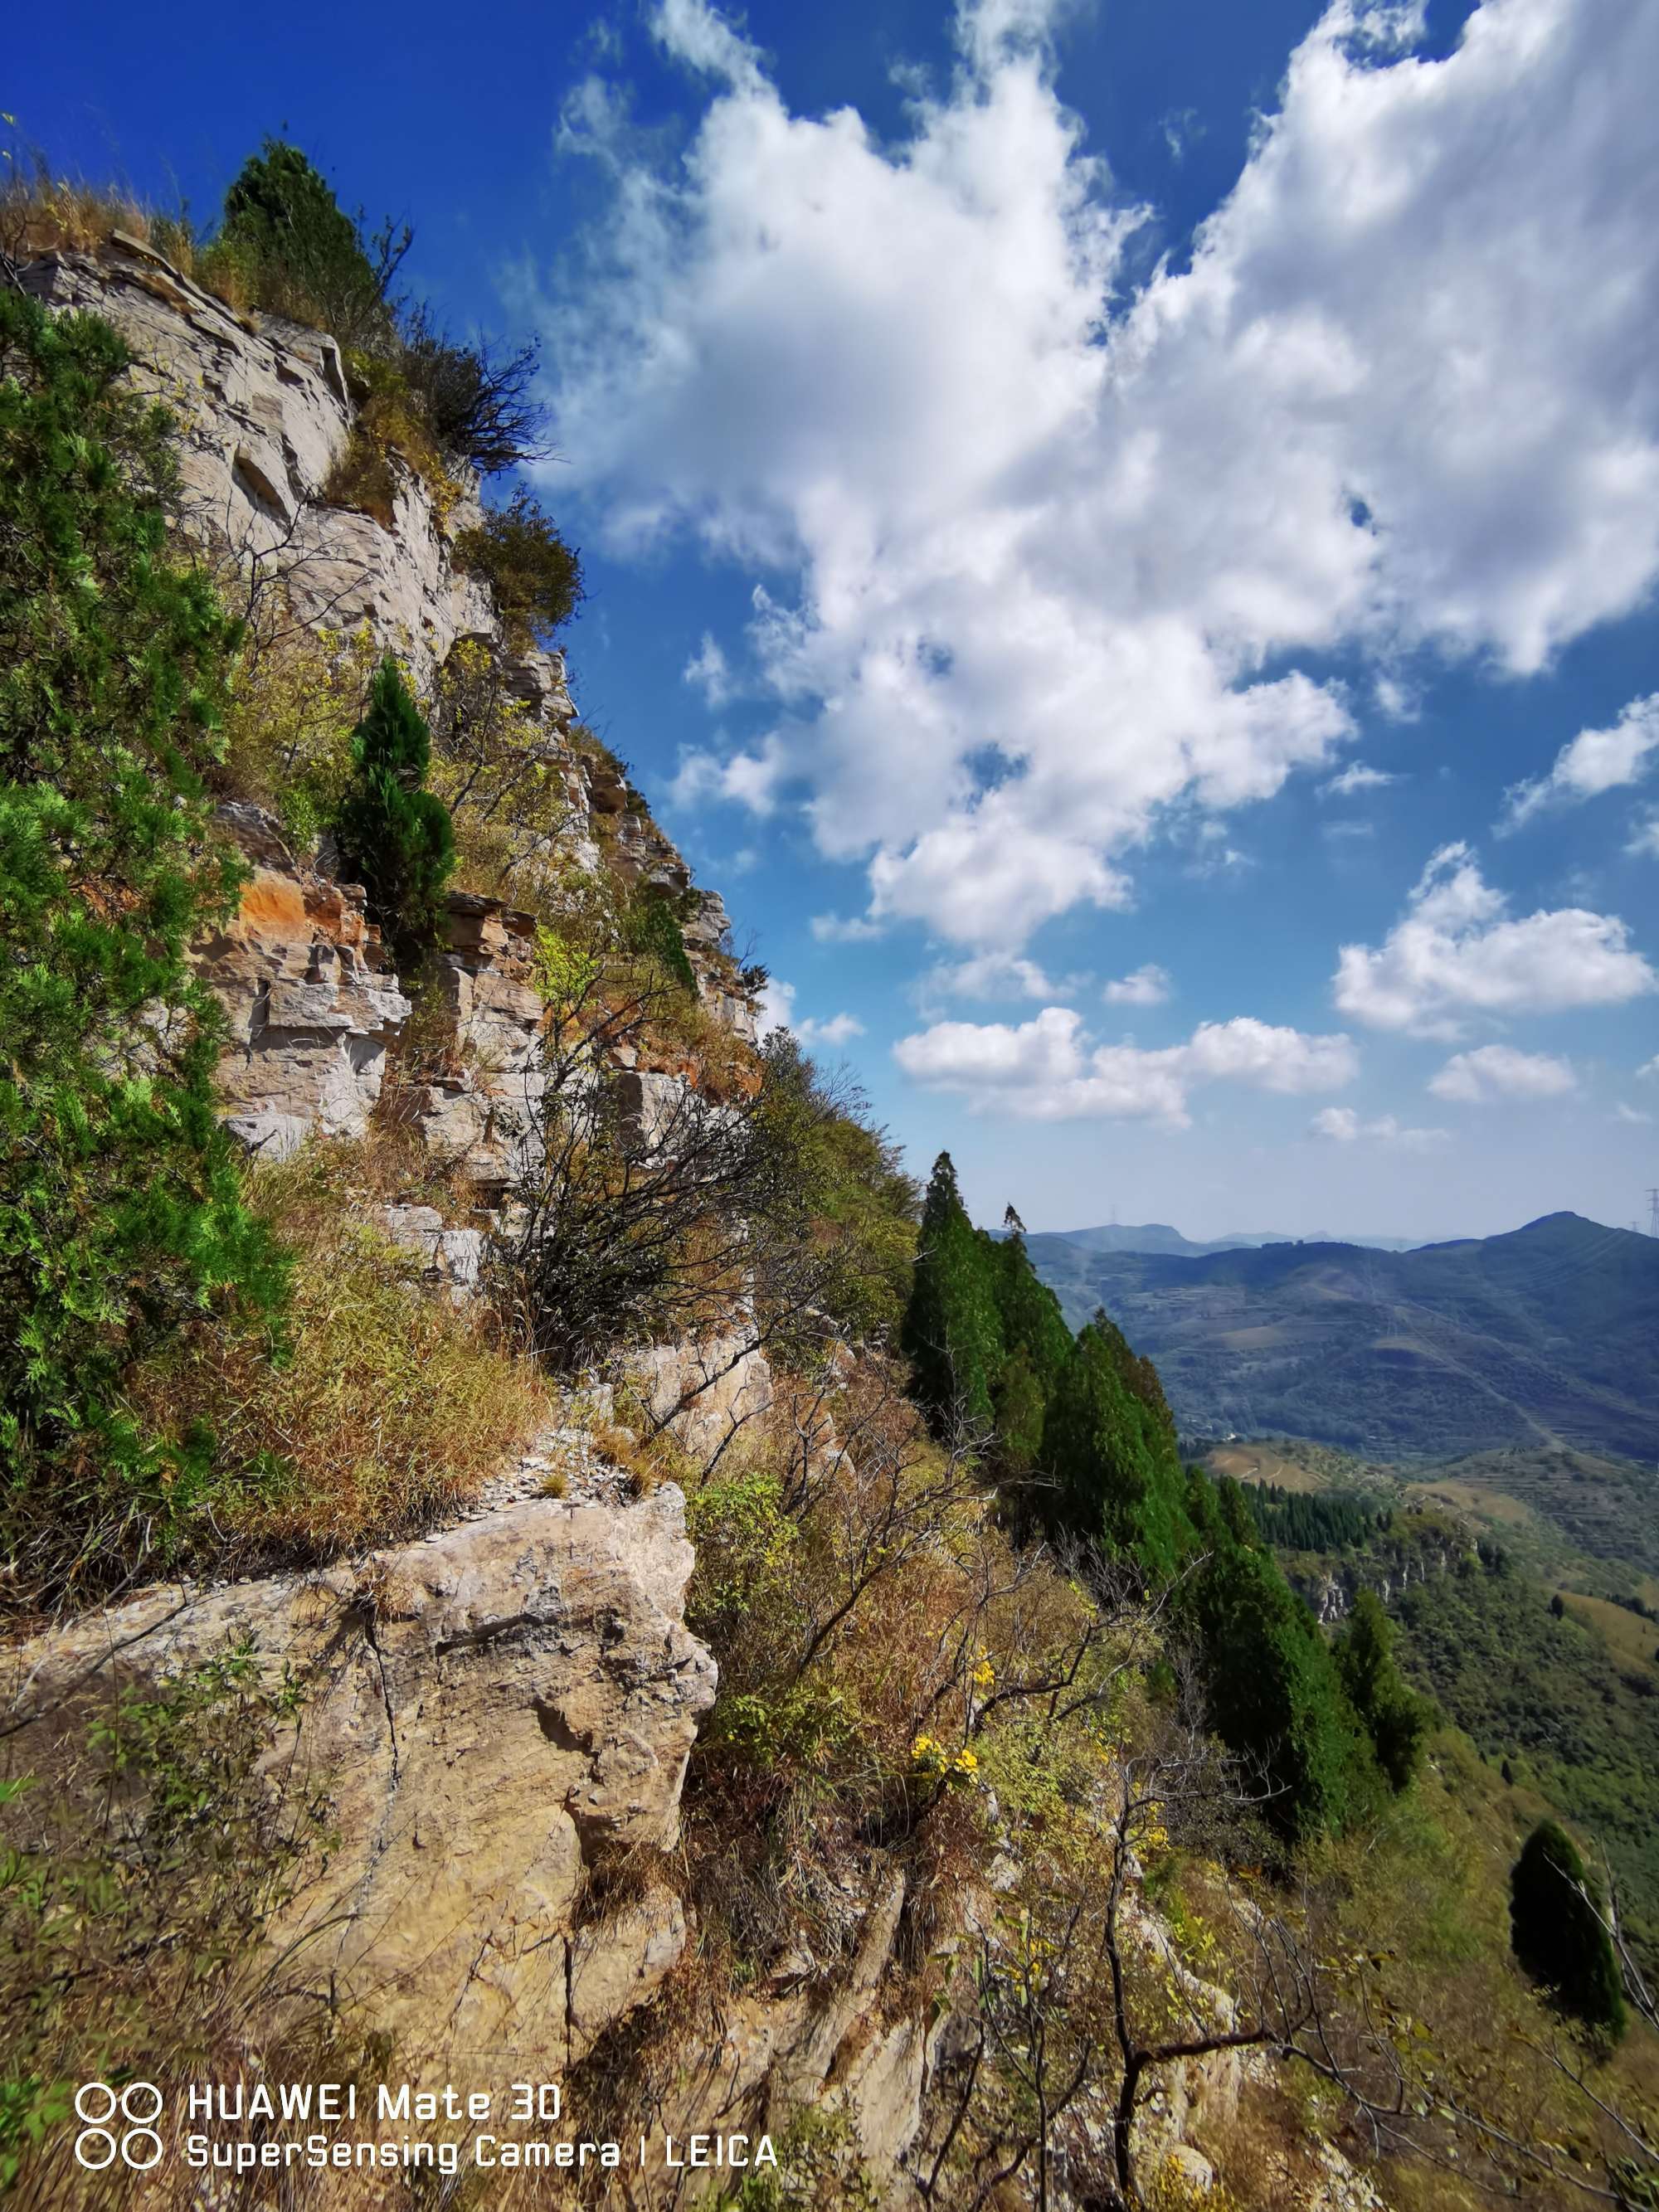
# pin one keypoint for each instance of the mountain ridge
(1161, 1236)
(1544, 1333)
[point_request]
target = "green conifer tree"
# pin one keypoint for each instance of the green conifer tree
(1116, 1469)
(394, 836)
(1019, 1409)
(1029, 1311)
(305, 255)
(1396, 1718)
(1558, 1930)
(950, 1334)
(1274, 1695)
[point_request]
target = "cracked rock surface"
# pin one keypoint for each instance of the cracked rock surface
(485, 1708)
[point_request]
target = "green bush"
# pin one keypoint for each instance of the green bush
(121, 1211)
(394, 835)
(134, 1898)
(536, 578)
(1558, 1930)
(651, 930)
(303, 256)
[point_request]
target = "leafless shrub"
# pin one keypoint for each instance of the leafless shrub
(649, 1210)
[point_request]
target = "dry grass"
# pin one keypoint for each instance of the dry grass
(1631, 1640)
(41, 212)
(388, 1405)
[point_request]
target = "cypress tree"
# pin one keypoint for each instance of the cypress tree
(1394, 1717)
(952, 1334)
(1557, 1930)
(393, 836)
(1029, 1311)
(1274, 1694)
(1118, 1472)
(1021, 1405)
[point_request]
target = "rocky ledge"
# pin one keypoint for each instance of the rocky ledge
(485, 1710)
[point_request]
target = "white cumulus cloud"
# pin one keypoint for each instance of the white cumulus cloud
(836, 1030)
(987, 976)
(1039, 558)
(1146, 987)
(776, 1010)
(1456, 952)
(1497, 1071)
(1047, 1069)
(1343, 1126)
(1596, 761)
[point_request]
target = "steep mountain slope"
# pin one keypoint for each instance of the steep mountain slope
(1546, 1334)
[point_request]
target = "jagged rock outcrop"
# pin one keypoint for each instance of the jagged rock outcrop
(312, 1015)
(265, 415)
(704, 1393)
(485, 1710)
(311, 1010)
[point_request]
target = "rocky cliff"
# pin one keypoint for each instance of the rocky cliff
(497, 1717)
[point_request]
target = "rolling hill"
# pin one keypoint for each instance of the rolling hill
(1158, 1236)
(1547, 1336)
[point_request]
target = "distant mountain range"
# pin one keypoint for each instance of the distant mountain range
(1158, 1236)
(1547, 1336)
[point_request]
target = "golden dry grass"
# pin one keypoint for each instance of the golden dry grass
(387, 1406)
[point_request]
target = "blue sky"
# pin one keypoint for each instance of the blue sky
(1122, 537)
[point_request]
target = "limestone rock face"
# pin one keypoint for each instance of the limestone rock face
(482, 1710)
(706, 1391)
(266, 414)
(311, 1010)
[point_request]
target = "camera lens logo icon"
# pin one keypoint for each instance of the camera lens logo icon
(138, 2144)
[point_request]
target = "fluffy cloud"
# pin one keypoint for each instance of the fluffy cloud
(777, 1011)
(1456, 951)
(1146, 987)
(1596, 761)
(1047, 1069)
(1497, 1071)
(838, 1029)
(1036, 562)
(1644, 840)
(1342, 1126)
(987, 976)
